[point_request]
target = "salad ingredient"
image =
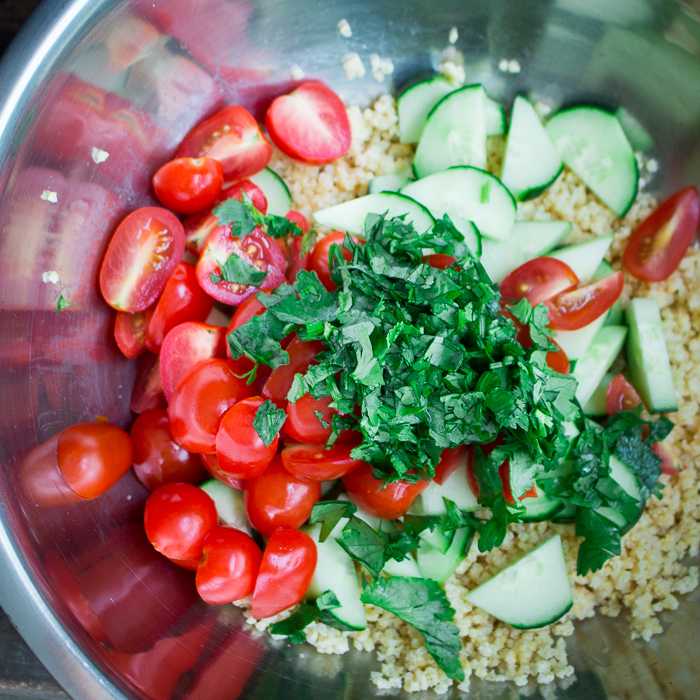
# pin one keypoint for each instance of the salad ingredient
(92, 457)
(591, 368)
(275, 190)
(309, 419)
(288, 563)
(144, 250)
(211, 464)
(538, 280)
(301, 356)
(229, 502)
(437, 564)
(309, 124)
(657, 247)
(230, 566)
(585, 258)
(315, 463)
(188, 185)
(621, 396)
(233, 138)
(130, 331)
(320, 256)
(158, 459)
(450, 461)
(391, 182)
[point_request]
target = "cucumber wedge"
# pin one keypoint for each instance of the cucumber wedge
(416, 102)
(575, 344)
(615, 316)
(230, 506)
(456, 488)
(533, 592)
(540, 507)
(531, 163)
(468, 196)
(647, 356)
(584, 258)
(350, 216)
(597, 405)
(279, 200)
(592, 143)
(455, 133)
(495, 118)
(439, 565)
(391, 182)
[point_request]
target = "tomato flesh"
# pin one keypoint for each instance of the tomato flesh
(441, 261)
(621, 396)
(537, 280)
(130, 331)
(671, 463)
(188, 185)
(304, 425)
(314, 463)
(449, 462)
(320, 262)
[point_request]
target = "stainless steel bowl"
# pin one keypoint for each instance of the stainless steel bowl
(103, 612)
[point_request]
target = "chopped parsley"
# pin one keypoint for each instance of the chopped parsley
(62, 304)
(236, 270)
(268, 421)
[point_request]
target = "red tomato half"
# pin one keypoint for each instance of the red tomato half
(304, 425)
(556, 359)
(440, 260)
(240, 451)
(285, 573)
(310, 124)
(657, 247)
(182, 300)
(276, 498)
(92, 457)
(320, 262)
(301, 355)
(621, 396)
(313, 463)
(158, 459)
(388, 503)
(537, 280)
(187, 185)
(178, 517)
(141, 256)
(130, 331)
(232, 137)
(257, 249)
(230, 566)
(211, 463)
(291, 247)
(577, 308)
(200, 400)
(671, 463)
(450, 460)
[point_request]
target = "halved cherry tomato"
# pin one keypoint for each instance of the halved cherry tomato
(303, 424)
(182, 300)
(291, 247)
(656, 248)
(148, 387)
(130, 331)
(92, 457)
(504, 473)
(320, 262)
(314, 463)
(249, 308)
(230, 566)
(239, 450)
(198, 227)
(450, 460)
(440, 260)
(178, 517)
(310, 124)
(186, 345)
(389, 502)
(188, 185)
(232, 137)
(158, 459)
(141, 256)
(276, 498)
(671, 463)
(200, 400)
(211, 463)
(285, 573)
(621, 396)
(301, 356)
(537, 280)
(556, 359)
(577, 308)
(257, 249)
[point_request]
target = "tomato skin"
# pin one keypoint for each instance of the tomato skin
(387, 503)
(450, 461)
(92, 457)
(285, 573)
(188, 185)
(240, 452)
(537, 280)
(232, 137)
(577, 308)
(158, 459)
(256, 248)
(671, 463)
(313, 463)
(303, 425)
(141, 257)
(200, 400)
(301, 355)
(441, 261)
(621, 396)
(656, 248)
(177, 518)
(291, 247)
(182, 300)
(230, 566)
(276, 498)
(130, 331)
(210, 463)
(556, 359)
(320, 262)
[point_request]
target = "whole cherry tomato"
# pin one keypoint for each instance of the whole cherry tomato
(230, 566)
(276, 498)
(303, 423)
(320, 256)
(314, 463)
(92, 457)
(301, 356)
(537, 280)
(285, 573)
(158, 459)
(187, 185)
(211, 463)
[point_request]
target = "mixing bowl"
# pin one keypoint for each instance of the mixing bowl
(105, 614)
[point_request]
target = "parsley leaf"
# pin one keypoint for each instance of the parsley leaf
(268, 421)
(364, 544)
(62, 304)
(330, 513)
(294, 625)
(236, 270)
(281, 227)
(237, 214)
(602, 540)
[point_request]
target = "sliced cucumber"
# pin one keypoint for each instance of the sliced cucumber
(468, 196)
(597, 405)
(540, 507)
(350, 216)
(626, 478)
(230, 506)
(495, 118)
(591, 368)
(533, 592)
(531, 162)
(438, 565)
(456, 488)
(592, 143)
(637, 135)
(335, 571)
(575, 344)
(415, 103)
(436, 539)
(616, 314)
(584, 258)
(407, 567)
(566, 515)
(279, 200)
(455, 133)
(647, 356)
(391, 182)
